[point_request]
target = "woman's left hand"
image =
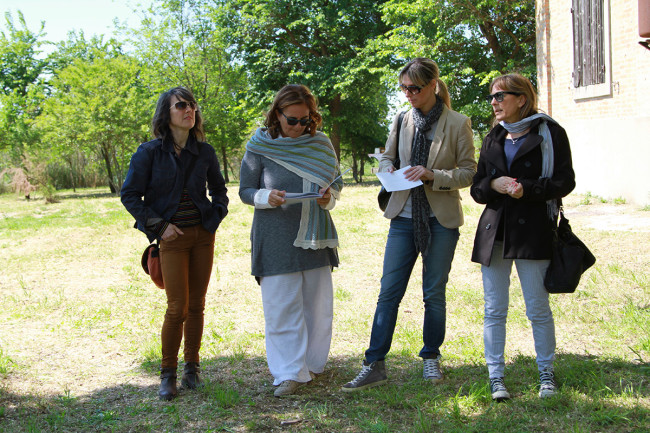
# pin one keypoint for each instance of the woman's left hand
(418, 173)
(515, 189)
(325, 199)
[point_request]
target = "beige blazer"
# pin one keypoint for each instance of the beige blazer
(451, 158)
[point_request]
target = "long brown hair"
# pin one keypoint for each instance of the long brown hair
(162, 117)
(292, 94)
(519, 84)
(421, 71)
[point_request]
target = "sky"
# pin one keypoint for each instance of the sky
(94, 17)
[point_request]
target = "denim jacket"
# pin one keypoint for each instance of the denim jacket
(154, 183)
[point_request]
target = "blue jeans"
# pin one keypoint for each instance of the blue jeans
(399, 259)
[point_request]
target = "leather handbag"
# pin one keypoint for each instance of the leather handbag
(384, 196)
(570, 259)
(150, 262)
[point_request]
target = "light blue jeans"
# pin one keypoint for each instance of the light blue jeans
(496, 286)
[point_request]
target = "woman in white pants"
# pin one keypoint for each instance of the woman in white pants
(293, 241)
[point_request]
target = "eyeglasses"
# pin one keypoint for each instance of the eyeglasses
(499, 96)
(182, 105)
(413, 90)
(293, 121)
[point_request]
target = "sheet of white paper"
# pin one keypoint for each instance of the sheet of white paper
(295, 197)
(396, 181)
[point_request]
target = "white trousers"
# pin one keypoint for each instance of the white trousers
(496, 291)
(298, 313)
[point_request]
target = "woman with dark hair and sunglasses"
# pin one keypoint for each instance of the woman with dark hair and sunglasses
(524, 170)
(294, 244)
(165, 191)
(437, 143)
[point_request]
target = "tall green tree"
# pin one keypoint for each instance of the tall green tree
(21, 85)
(316, 43)
(471, 40)
(98, 108)
(181, 46)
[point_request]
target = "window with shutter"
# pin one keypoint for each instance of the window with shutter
(591, 76)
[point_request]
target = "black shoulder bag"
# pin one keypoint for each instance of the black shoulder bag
(384, 196)
(570, 258)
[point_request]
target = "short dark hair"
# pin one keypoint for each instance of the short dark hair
(292, 94)
(162, 117)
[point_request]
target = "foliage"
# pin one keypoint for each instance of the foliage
(472, 42)
(180, 46)
(97, 107)
(316, 43)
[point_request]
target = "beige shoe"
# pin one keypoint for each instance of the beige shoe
(288, 387)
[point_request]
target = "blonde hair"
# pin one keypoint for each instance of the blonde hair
(517, 83)
(292, 94)
(421, 71)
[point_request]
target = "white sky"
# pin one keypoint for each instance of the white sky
(94, 17)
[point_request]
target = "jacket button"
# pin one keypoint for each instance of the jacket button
(528, 164)
(487, 227)
(493, 172)
(521, 221)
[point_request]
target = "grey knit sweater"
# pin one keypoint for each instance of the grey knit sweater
(275, 229)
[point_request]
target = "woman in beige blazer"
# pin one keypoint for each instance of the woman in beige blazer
(437, 143)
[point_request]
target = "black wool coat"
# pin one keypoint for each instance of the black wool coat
(525, 224)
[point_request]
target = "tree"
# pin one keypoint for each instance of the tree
(180, 45)
(21, 86)
(472, 42)
(316, 43)
(98, 107)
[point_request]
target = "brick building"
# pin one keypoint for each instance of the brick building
(593, 64)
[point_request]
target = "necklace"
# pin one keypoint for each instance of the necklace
(515, 140)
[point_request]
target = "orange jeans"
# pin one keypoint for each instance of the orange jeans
(186, 264)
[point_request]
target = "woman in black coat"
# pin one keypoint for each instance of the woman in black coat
(524, 170)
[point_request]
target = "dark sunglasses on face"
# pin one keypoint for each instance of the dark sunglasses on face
(499, 96)
(293, 121)
(182, 105)
(413, 90)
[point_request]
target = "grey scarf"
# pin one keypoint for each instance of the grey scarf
(419, 156)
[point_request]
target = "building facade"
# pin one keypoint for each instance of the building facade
(593, 65)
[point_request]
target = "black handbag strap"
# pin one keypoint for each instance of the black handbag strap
(396, 162)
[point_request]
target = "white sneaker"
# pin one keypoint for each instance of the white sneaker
(287, 387)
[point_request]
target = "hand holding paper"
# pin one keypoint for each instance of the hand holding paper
(396, 181)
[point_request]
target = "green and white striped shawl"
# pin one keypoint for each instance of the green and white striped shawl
(313, 159)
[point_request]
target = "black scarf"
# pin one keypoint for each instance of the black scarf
(419, 156)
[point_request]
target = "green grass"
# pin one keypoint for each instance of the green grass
(80, 348)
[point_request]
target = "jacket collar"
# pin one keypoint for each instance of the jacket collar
(409, 132)
(192, 145)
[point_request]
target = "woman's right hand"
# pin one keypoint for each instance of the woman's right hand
(171, 233)
(276, 198)
(501, 184)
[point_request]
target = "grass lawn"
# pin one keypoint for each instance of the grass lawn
(80, 325)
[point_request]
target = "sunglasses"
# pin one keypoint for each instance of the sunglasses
(499, 96)
(413, 90)
(293, 121)
(182, 105)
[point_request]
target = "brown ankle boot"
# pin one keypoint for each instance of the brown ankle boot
(191, 378)
(168, 389)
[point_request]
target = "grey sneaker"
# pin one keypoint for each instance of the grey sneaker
(432, 371)
(370, 375)
(547, 387)
(498, 389)
(288, 387)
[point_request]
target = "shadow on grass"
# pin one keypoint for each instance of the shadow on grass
(605, 395)
(70, 195)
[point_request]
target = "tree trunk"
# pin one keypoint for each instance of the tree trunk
(224, 164)
(109, 170)
(335, 136)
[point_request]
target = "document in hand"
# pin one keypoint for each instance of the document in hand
(396, 181)
(295, 197)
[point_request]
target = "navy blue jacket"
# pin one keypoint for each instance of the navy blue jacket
(154, 183)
